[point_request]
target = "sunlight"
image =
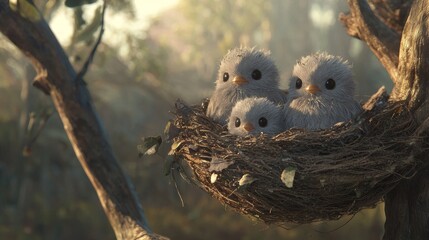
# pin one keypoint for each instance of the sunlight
(61, 24)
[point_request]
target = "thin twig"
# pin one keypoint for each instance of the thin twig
(46, 115)
(90, 58)
(177, 189)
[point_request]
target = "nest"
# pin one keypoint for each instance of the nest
(300, 176)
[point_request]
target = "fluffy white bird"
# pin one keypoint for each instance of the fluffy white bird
(254, 116)
(243, 73)
(321, 93)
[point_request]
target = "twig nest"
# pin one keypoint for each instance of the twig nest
(300, 176)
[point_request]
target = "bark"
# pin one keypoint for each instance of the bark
(414, 53)
(71, 98)
(393, 13)
(407, 206)
(363, 24)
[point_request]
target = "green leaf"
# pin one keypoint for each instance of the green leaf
(150, 145)
(78, 3)
(288, 176)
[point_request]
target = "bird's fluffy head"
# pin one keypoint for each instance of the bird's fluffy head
(331, 75)
(260, 114)
(255, 66)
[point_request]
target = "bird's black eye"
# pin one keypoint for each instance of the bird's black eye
(263, 122)
(256, 74)
(298, 83)
(330, 84)
(225, 76)
(237, 122)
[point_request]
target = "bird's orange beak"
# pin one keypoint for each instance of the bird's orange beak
(248, 127)
(313, 89)
(239, 80)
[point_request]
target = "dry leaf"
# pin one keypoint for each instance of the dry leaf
(219, 164)
(170, 131)
(213, 178)
(288, 176)
(150, 145)
(168, 165)
(174, 146)
(246, 179)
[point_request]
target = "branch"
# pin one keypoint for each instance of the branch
(363, 24)
(393, 13)
(72, 100)
(90, 58)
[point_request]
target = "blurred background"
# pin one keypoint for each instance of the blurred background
(152, 53)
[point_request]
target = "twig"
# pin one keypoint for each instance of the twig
(177, 189)
(82, 72)
(44, 119)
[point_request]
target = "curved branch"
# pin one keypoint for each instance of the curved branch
(363, 24)
(57, 77)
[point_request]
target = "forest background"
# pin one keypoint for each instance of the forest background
(141, 67)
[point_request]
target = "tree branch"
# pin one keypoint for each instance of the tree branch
(72, 100)
(90, 58)
(363, 24)
(393, 13)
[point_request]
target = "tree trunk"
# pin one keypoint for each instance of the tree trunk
(407, 206)
(71, 98)
(405, 56)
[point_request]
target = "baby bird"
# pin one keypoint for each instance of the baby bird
(243, 73)
(321, 93)
(254, 116)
